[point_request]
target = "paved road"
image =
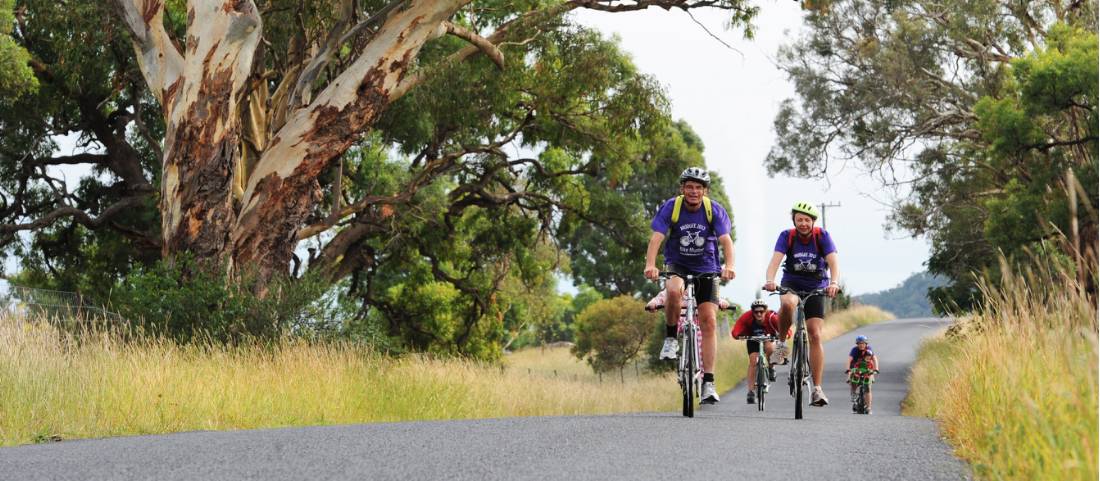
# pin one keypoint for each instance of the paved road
(729, 441)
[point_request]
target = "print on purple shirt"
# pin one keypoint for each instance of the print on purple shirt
(808, 259)
(692, 243)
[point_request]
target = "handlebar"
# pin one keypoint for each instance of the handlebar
(708, 275)
(780, 290)
(662, 306)
(764, 338)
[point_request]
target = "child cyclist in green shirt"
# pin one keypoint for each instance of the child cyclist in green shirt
(861, 369)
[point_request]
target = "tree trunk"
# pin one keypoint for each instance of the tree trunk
(201, 93)
(201, 146)
(282, 191)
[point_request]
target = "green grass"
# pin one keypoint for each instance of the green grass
(1014, 390)
(58, 386)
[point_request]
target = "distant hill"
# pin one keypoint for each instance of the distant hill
(908, 299)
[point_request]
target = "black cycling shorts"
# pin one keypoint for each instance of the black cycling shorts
(705, 290)
(815, 306)
(752, 346)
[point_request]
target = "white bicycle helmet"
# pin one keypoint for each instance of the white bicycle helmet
(697, 174)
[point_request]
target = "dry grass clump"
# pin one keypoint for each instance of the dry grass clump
(1014, 388)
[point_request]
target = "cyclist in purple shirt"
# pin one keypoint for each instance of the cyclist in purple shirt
(695, 227)
(811, 263)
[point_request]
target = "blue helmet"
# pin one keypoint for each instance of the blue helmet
(861, 338)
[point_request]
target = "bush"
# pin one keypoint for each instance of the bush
(184, 301)
(612, 332)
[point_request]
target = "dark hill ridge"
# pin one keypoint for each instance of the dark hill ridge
(908, 299)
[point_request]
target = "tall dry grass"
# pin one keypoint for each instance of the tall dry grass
(1014, 388)
(55, 385)
(64, 385)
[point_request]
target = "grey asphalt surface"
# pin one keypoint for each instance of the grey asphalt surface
(731, 440)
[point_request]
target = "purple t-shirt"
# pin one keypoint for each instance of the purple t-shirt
(808, 262)
(692, 243)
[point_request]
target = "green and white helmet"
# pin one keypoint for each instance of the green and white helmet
(805, 208)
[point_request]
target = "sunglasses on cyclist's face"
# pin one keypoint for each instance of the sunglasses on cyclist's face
(861, 343)
(758, 311)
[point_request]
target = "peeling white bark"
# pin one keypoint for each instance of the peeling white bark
(390, 51)
(200, 93)
(161, 64)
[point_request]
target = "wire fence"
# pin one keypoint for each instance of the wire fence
(56, 306)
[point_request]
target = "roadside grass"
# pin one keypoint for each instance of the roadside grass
(58, 386)
(557, 362)
(840, 322)
(1014, 389)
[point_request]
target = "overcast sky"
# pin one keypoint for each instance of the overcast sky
(731, 99)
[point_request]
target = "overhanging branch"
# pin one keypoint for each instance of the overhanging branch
(482, 43)
(78, 215)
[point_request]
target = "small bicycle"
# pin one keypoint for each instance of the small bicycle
(861, 377)
(799, 377)
(763, 372)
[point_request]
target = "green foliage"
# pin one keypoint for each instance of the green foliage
(90, 90)
(612, 332)
(989, 107)
(610, 257)
(16, 77)
(186, 301)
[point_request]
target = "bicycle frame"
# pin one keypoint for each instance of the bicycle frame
(861, 376)
(691, 373)
(690, 370)
(799, 376)
(761, 371)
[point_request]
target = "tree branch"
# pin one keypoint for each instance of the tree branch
(483, 44)
(77, 215)
(160, 61)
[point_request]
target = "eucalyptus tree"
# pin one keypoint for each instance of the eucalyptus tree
(259, 100)
(381, 145)
(984, 113)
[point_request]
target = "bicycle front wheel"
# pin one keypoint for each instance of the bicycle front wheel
(761, 379)
(800, 373)
(687, 374)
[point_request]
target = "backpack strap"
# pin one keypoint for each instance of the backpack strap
(680, 203)
(816, 234)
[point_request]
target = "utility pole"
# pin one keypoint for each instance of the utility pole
(823, 207)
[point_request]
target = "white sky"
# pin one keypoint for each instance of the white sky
(731, 99)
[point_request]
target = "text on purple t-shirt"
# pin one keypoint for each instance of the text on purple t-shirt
(693, 242)
(807, 258)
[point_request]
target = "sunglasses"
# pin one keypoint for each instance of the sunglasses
(758, 311)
